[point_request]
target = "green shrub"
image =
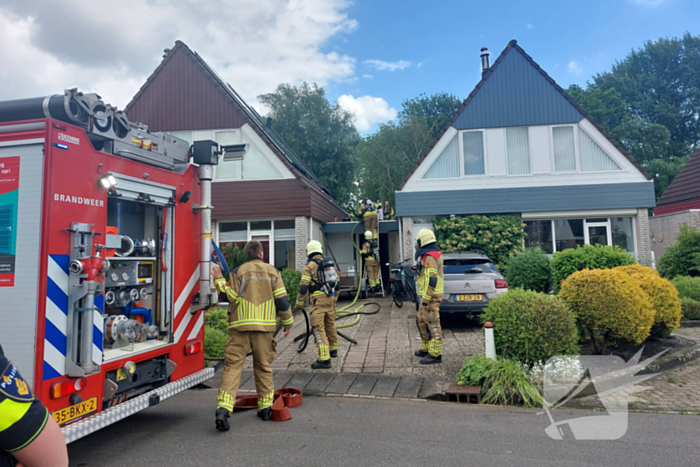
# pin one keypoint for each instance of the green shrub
(529, 270)
(663, 296)
(566, 262)
(235, 255)
(497, 236)
(214, 342)
(610, 304)
(472, 372)
(690, 308)
(531, 327)
(683, 257)
(217, 318)
(505, 382)
(291, 279)
(688, 287)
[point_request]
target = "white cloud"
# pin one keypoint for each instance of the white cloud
(575, 68)
(381, 65)
(254, 45)
(529, 26)
(649, 3)
(367, 76)
(368, 110)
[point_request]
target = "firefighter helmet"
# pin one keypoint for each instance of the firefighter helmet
(368, 235)
(425, 237)
(369, 204)
(314, 246)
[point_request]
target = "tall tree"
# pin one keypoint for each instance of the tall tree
(436, 110)
(650, 102)
(385, 157)
(321, 134)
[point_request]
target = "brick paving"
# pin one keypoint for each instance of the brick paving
(385, 345)
(676, 390)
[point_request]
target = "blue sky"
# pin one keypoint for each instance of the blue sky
(368, 54)
(571, 40)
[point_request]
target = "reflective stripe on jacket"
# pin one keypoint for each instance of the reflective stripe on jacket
(432, 268)
(256, 296)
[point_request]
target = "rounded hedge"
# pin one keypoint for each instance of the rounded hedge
(531, 327)
(609, 304)
(690, 308)
(529, 270)
(688, 287)
(566, 262)
(663, 295)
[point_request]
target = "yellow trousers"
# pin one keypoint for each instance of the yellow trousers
(430, 316)
(237, 347)
(323, 325)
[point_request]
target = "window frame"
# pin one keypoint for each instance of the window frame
(552, 161)
(251, 233)
(461, 154)
(529, 151)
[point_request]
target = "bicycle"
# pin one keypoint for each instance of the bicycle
(403, 283)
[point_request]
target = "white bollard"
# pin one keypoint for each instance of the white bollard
(490, 343)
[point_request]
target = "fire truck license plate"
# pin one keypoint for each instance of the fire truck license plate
(68, 414)
(468, 298)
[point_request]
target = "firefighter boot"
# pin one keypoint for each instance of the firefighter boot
(321, 365)
(265, 414)
(429, 359)
(334, 353)
(420, 353)
(222, 416)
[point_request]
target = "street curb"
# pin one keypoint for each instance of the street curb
(673, 360)
(690, 324)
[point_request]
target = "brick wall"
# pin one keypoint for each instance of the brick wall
(664, 229)
(407, 237)
(643, 241)
(301, 225)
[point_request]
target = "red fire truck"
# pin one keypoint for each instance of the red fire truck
(105, 244)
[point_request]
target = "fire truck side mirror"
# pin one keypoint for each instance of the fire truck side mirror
(205, 152)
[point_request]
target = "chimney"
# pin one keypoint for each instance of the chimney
(484, 61)
(166, 52)
(269, 122)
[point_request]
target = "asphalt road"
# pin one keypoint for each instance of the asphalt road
(342, 431)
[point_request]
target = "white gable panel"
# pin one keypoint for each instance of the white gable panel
(593, 158)
(539, 143)
(614, 153)
(447, 163)
(430, 159)
(496, 151)
(260, 162)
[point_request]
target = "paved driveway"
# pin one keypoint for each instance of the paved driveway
(385, 345)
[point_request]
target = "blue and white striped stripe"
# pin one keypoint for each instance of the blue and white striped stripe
(56, 319)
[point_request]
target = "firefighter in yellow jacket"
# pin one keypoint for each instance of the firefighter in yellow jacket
(319, 280)
(368, 212)
(430, 286)
(256, 296)
(370, 257)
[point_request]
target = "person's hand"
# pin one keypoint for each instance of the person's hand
(216, 272)
(288, 329)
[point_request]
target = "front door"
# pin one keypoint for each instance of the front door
(598, 233)
(264, 239)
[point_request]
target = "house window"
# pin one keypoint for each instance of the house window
(285, 244)
(623, 233)
(233, 232)
(568, 233)
(447, 163)
(473, 149)
(518, 150)
(593, 158)
(561, 234)
(539, 234)
(564, 149)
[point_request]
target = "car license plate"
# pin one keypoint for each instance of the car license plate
(76, 411)
(468, 298)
